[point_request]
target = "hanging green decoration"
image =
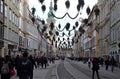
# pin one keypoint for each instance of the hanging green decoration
(33, 11)
(67, 3)
(78, 7)
(43, 8)
(55, 7)
(57, 33)
(63, 39)
(76, 23)
(58, 39)
(43, 22)
(69, 33)
(51, 25)
(81, 3)
(59, 26)
(88, 10)
(63, 34)
(41, 1)
(54, 38)
(73, 27)
(67, 26)
(56, 45)
(68, 38)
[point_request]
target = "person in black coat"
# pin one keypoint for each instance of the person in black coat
(43, 61)
(113, 62)
(32, 66)
(95, 67)
(1, 63)
(25, 67)
(107, 62)
(17, 63)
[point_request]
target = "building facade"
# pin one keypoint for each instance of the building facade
(108, 23)
(103, 23)
(1, 26)
(33, 37)
(89, 40)
(114, 29)
(23, 24)
(11, 27)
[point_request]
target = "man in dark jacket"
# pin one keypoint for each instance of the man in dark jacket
(113, 62)
(32, 66)
(95, 67)
(17, 62)
(25, 67)
(107, 62)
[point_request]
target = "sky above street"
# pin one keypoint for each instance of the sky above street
(61, 10)
(61, 7)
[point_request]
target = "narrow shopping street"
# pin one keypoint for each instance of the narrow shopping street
(67, 69)
(59, 39)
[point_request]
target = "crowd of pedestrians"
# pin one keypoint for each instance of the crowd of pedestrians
(21, 65)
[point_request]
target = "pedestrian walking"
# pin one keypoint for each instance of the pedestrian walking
(89, 63)
(112, 61)
(101, 61)
(44, 61)
(6, 67)
(17, 63)
(1, 63)
(25, 67)
(38, 61)
(95, 67)
(107, 62)
(33, 64)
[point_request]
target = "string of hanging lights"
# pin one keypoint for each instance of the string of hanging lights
(68, 3)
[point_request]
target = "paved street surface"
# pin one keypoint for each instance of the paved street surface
(67, 69)
(42, 73)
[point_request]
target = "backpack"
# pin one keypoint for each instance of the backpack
(24, 66)
(5, 69)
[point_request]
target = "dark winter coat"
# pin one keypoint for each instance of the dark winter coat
(95, 64)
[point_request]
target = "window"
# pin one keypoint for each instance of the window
(14, 1)
(6, 11)
(18, 21)
(20, 40)
(1, 6)
(13, 17)
(5, 33)
(10, 16)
